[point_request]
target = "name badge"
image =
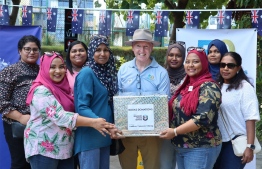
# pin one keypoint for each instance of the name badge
(190, 88)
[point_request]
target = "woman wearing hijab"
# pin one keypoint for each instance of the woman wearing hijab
(49, 136)
(175, 57)
(95, 86)
(194, 131)
(216, 49)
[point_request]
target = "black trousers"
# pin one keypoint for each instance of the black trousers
(16, 149)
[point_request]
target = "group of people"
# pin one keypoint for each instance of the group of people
(67, 106)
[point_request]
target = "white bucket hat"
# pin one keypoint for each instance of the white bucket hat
(142, 35)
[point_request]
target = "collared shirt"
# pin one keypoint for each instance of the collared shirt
(15, 82)
(152, 80)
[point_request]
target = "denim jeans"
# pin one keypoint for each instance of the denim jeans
(227, 159)
(95, 159)
(167, 155)
(16, 149)
(199, 158)
(42, 162)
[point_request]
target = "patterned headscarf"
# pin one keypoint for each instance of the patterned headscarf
(106, 73)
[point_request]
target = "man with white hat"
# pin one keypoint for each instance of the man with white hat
(141, 76)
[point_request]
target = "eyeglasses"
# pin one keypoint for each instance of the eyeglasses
(228, 65)
(182, 43)
(49, 54)
(138, 79)
(94, 37)
(28, 50)
(199, 49)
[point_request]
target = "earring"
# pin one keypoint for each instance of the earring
(237, 72)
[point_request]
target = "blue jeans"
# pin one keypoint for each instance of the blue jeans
(200, 158)
(95, 159)
(42, 162)
(167, 155)
(227, 159)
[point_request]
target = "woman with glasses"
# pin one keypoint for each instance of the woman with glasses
(15, 82)
(175, 57)
(49, 135)
(216, 49)
(75, 59)
(194, 131)
(95, 86)
(239, 109)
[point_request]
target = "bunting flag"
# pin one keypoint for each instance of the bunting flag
(224, 19)
(27, 15)
(51, 19)
(132, 22)
(77, 20)
(192, 19)
(4, 15)
(256, 16)
(161, 27)
(105, 23)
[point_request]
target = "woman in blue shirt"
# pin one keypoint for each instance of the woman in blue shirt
(94, 88)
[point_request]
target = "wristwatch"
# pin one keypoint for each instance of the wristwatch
(251, 146)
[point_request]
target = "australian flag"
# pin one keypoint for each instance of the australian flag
(51, 19)
(105, 23)
(256, 16)
(77, 20)
(4, 15)
(161, 26)
(224, 19)
(192, 19)
(132, 22)
(27, 15)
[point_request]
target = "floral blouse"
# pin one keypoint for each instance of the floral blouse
(49, 129)
(208, 135)
(15, 82)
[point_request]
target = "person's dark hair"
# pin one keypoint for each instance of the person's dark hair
(68, 61)
(235, 82)
(28, 38)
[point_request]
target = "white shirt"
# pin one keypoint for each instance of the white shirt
(237, 106)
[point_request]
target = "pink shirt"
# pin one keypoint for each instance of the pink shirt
(71, 79)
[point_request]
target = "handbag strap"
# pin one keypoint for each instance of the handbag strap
(224, 122)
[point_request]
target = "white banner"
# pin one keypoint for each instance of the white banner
(242, 41)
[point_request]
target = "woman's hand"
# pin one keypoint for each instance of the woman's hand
(247, 156)
(167, 134)
(115, 133)
(24, 119)
(101, 125)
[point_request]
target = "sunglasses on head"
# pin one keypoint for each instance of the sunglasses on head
(98, 37)
(177, 42)
(228, 65)
(52, 54)
(199, 49)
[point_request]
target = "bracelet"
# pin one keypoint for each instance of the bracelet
(175, 131)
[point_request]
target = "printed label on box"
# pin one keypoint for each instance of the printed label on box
(141, 117)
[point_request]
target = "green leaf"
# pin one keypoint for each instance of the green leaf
(55, 138)
(124, 5)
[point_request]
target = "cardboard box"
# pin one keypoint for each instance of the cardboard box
(141, 115)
